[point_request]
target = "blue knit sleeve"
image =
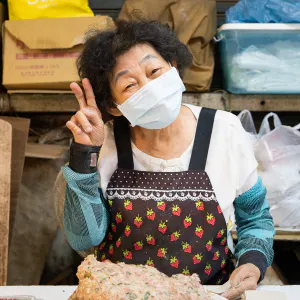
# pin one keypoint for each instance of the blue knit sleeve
(85, 212)
(255, 228)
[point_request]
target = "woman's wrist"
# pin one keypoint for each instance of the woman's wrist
(256, 258)
(84, 158)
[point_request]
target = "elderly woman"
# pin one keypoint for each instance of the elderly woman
(171, 178)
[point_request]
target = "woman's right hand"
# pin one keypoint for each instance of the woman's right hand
(86, 125)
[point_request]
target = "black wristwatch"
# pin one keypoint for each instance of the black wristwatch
(84, 158)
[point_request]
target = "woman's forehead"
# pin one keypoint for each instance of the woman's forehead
(137, 55)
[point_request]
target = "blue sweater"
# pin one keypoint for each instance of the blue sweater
(86, 219)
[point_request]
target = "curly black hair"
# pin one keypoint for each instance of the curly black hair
(101, 49)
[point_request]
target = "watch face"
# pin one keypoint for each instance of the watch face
(94, 161)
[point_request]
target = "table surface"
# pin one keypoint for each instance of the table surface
(64, 292)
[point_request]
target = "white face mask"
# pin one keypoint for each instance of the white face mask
(157, 104)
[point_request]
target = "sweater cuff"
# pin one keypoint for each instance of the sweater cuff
(84, 158)
(256, 258)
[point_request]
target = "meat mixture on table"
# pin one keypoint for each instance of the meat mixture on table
(107, 280)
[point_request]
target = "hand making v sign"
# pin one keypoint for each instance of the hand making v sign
(86, 125)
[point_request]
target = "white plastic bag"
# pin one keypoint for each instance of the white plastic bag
(246, 119)
(278, 154)
(265, 124)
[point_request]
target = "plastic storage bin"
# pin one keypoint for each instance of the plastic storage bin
(260, 58)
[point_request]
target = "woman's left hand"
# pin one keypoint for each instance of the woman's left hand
(243, 278)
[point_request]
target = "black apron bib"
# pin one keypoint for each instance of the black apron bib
(171, 221)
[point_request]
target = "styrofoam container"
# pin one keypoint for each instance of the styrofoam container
(260, 58)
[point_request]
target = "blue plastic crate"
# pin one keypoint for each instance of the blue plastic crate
(260, 58)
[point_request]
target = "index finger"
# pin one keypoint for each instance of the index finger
(78, 94)
(90, 96)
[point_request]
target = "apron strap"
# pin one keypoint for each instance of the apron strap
(123, 143)
(202, 139)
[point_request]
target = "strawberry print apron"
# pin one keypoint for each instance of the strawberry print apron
(171, 221)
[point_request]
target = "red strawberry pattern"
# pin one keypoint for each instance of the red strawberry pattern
(127, 254)
(150, 214)
(224, 240)
(210, 219)
(223, 263)
(113, 227)
(200, 205)
(102, 245)
(187, 222)
(111, 249)
(127, 230)
(138, 245)
(174, 262)
(219, 209)
(175, 236)
(161, 205)
(103, 257)
(118, 242)
(220, 233)
(199, 231)
(138, 221)
(226, 250)
(208, 245)
(186, 247)
(208, 269)
(197, 258)
(150, 262)
(161, 252)
(119, 218)
(150, 239)
(176, 210)
(216, 255)
(162, 227)
(128, 205)
(186, 271)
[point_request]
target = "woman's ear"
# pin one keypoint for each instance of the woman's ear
(174, 64)
(115, 112)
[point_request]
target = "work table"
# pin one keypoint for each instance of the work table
(64, 292)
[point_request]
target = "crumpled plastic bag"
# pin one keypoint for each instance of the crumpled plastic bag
(278, 154)
(267, 69)
(247, 121)
(264, 11)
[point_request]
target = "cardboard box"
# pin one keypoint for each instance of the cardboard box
(40, 54)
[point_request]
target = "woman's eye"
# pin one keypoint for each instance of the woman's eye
(129, 86)
(154, 71)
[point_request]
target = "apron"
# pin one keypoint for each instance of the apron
(171, 221)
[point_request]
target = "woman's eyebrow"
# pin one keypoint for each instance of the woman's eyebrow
(147, 57)
(120, 74)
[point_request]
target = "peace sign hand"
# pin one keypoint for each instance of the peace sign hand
(86, 125)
